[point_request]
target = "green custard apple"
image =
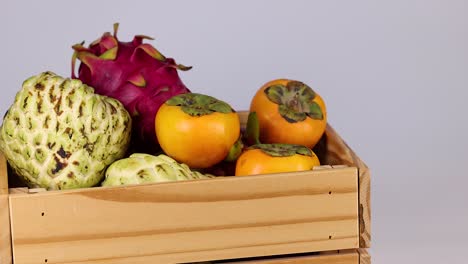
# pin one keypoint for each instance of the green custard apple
(144, 168)
(59, 134)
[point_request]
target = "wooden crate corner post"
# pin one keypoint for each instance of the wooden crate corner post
(364, 257)
(5, 234)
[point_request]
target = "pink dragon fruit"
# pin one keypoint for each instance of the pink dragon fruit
(136, 74)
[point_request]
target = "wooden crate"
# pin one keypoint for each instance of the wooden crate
(178, 222)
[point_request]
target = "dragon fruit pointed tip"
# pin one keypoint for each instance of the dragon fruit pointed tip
(78, 45)
(144, 37)
(183, 67)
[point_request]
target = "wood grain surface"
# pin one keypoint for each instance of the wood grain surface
(222, 218)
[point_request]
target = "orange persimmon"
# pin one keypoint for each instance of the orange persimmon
(275, 158)
(289, 111)
(197, 129)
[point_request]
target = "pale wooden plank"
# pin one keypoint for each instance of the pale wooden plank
(5, 238)
(171, 257)
(224, 218)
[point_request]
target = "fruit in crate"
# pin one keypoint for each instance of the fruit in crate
(144, 168)
(59, 134)
(197, 129)
(289, 111)
(275, 158)
(135, 73)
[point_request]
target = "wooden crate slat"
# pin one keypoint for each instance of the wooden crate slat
(204, 218)
(341, 257)
(335, 257)
(174, 257)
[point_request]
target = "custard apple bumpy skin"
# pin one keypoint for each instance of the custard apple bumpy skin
(59, 134)
(144, 168)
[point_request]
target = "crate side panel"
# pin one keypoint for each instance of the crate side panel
(234, 216)
(364, 208)
(338, 152)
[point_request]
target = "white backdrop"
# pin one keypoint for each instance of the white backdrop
(394, 75)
